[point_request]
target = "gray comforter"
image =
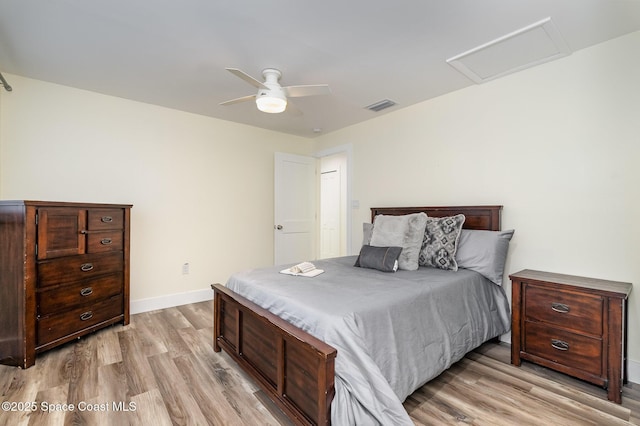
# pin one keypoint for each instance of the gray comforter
(393, 331)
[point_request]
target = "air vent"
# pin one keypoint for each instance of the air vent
(380, 105)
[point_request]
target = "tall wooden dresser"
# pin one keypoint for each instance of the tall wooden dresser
(64, 272)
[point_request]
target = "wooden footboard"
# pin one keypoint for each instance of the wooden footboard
(294, 368)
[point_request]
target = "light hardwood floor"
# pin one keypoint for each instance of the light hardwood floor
(161, 370)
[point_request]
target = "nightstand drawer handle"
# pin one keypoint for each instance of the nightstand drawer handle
(106, 219)
(86, 316)
(560, 345)
(560, 307)
(87, 291)
(105, 241)
(86, 267)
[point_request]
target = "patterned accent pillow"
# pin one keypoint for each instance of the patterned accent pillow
(440, 242)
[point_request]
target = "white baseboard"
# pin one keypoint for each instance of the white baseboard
(170, 300)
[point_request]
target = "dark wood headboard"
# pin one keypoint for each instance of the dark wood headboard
(477, 217)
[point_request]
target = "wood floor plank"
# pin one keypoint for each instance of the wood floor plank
(83, 374)
(114, 393)
(240, 398)
(174, 317)
(197, 315)
(169, 325)
(510, 372)
(183, 409)
(140, 378)
(474, 403)
(148, 331)
(107, 346)
(149, 409)
(540, 399)
(51, 399)
(163, 362)
(23, 388)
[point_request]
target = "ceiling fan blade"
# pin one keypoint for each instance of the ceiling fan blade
(246, 77)
(238, 100)
(306, 90)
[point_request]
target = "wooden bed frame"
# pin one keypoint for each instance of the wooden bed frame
(295, 369)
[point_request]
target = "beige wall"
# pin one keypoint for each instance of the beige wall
(202, 188)
(558, 145)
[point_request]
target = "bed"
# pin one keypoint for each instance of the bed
(349, 345)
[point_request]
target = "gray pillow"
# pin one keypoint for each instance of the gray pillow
(367, 230)
(404, 231)
(440, 242)
(383, 259)
(484, 252)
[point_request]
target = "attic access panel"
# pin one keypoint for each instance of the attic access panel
(524, 48)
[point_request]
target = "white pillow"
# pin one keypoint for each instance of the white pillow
(484, 252)
(406, 231)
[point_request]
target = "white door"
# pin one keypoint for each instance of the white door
(329, 214)
(333, 204)
(295, 208)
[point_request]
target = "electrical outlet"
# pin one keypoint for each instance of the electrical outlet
(185, 268)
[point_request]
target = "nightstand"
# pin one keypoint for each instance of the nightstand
(575, 325)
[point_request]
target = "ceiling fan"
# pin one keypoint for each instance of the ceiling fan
(271, 96)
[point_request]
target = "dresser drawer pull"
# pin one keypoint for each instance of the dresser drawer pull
(86, 267)
(105, 241)
(560, 308)
(86, 316)
(560, 345)
(87, 291)
(106, 219)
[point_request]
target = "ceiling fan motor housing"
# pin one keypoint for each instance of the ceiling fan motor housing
(271, 75)
(272, 100)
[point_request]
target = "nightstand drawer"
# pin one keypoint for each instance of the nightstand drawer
(563, 347)
(577, 312)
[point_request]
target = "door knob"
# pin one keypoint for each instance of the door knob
(278, 227)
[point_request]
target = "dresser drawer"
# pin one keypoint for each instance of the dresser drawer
(99, 242)
(563, 347)
(58, 299)
(78, 268)
(105, 219)
(53, 327)
(578, 312)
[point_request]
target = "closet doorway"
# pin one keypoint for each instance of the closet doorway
(334, 189)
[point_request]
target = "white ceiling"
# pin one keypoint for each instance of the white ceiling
(174, 53)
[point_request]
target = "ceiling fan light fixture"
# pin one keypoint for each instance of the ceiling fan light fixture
(271, 102)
